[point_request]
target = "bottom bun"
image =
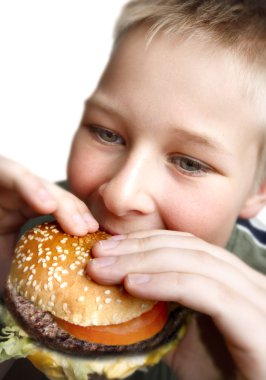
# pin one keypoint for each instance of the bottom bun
(58, 366)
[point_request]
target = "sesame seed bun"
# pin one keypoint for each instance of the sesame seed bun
(48, 269)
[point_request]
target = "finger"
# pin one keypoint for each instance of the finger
(149, 240)
(231, 312)
(237, 319)
(72, 213)
(25, 188)
(142, 241)
(113, 269)
(20, 186)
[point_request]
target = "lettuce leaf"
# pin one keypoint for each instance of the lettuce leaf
(14, 342)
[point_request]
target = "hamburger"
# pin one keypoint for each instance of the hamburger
(68, 326)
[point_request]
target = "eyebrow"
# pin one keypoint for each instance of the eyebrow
(200, 139)
(104, 106)
(182, 132)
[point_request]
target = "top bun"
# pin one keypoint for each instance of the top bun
(49, 270)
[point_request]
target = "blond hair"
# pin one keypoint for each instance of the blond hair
(238, 25)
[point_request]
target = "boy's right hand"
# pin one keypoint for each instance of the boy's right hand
(23, 195)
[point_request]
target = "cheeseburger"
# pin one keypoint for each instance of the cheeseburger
(68, 326)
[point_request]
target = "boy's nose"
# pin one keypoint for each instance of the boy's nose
(130, 190)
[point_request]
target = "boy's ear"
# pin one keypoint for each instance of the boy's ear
(254, 203)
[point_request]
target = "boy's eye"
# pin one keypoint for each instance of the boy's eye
(189, 165)
(106, 135)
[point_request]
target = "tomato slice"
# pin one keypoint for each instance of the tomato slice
(133, 331)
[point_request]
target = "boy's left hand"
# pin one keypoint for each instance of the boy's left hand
(176, 266)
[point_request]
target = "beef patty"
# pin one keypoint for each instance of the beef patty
(41, 326)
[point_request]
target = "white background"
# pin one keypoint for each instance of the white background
(52, 53)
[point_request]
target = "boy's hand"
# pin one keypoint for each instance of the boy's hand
(24, 195)
(173, 266)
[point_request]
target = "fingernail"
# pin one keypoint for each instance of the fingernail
(103, 261)
(137, 279)
(90, 220)
(77, 218)
(108, 244)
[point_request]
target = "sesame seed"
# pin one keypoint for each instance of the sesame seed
(65, 307)
(81, 298)
(98, 298)
(25, 269)
(107, 291)
(57, 277)
(107, 300)
(63, 285)
(100, 307)
(86, 288)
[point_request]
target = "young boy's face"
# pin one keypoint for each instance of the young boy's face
(167, 140)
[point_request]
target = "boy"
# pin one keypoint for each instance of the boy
(169, 153)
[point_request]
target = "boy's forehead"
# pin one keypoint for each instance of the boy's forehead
(178, 75)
